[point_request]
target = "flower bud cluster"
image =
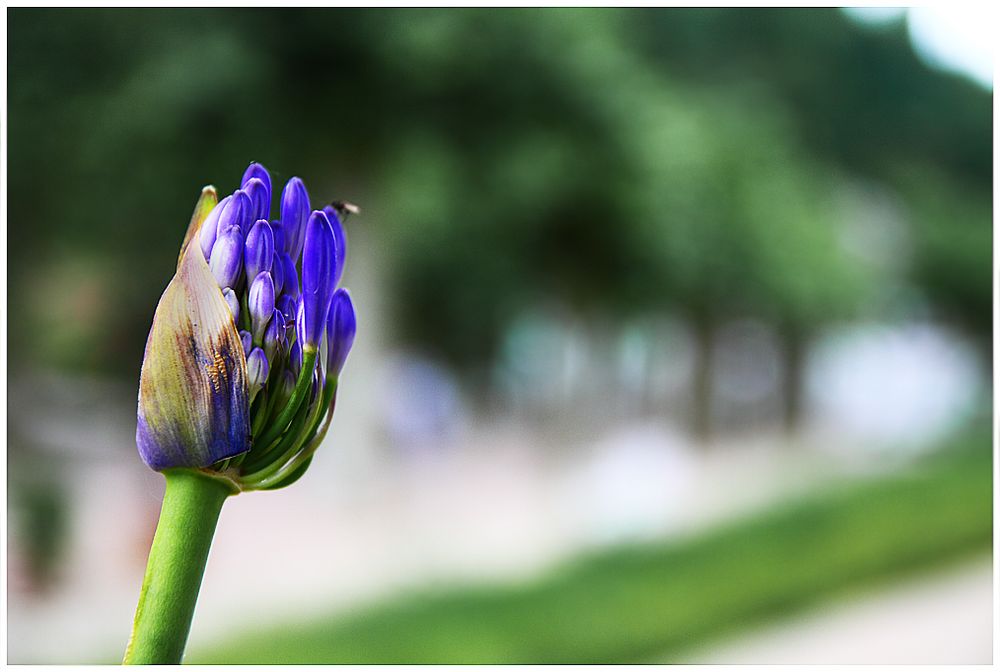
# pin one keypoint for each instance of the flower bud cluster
(279, 278)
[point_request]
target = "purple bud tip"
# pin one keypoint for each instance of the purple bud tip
(247, 341)
(260, 197)
(210, 227)
(260, 303)
(234, 303)
(294, 211)
(257, 368)
(238, 212)
(340, 330)
(255, 170)
(259, 248)
(227, 257)
(318, 260)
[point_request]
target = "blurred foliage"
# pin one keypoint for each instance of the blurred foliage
(656, 602)
(615, 161)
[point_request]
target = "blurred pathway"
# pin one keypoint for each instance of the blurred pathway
(938, 618)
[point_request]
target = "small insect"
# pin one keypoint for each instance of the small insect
(345, 208)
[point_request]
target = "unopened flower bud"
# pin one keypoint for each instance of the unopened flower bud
(238, 212)
(255, 170)
(210, 228)
(257, 369)
(318, 261)
(294, 211)
(247, 340)
(260, 198)
(340, 330)
(290, 283)
(274, 334)
(227, 256)
(260, 303)
(259, 248)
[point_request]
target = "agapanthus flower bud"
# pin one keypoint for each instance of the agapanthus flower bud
(318, 261)
(257, 369)
(238, 212)
(260, 198)
(203, 370)
(274, 334)
(277, 273)
(260, 303)
(294, 211)
(278, 230)
(341, 327)
(290, 283)
(255, 170)
(210, 228)
(227, 256)
(259, 248)
(234, 303)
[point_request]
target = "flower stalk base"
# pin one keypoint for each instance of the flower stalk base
(191, 506)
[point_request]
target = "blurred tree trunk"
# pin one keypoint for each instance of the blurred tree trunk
(704, 370)
(793, 376)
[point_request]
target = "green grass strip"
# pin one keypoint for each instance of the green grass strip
(640, 603)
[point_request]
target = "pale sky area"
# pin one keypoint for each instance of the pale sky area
(958, 38)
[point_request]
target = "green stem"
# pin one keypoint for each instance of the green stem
(302, 387)
(191, 506)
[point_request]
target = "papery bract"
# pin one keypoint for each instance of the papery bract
(193, 396)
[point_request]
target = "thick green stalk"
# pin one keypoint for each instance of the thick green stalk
(191, 506)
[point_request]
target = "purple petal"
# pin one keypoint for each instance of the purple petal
(294, 211)
(318, 261)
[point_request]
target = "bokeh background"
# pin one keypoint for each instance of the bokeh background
(674, 345)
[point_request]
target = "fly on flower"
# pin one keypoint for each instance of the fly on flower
(244, 356)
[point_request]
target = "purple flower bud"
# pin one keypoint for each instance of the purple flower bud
(274, 334)
(257, 369)
(290, 283)
(260, 197)
(259, 249)
(227, 256)
(294, 211)
(234, 303)
(260, 303)
(341, 327)
(255, 170)
(277, 272)
(210, 228)
(247, 341)
(318, 260)
(341, 243)
(238, 212)
(278, 229)
(260, 172)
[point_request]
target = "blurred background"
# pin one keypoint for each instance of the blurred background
(674, 343)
